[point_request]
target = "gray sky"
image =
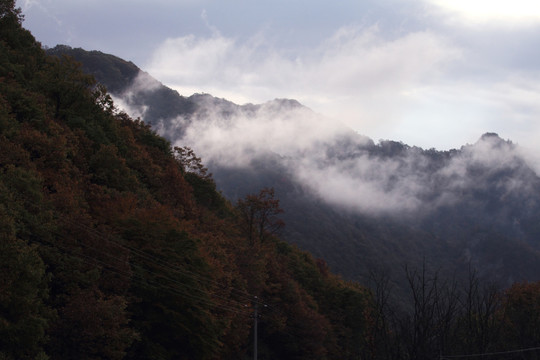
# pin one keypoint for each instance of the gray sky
(431, 73)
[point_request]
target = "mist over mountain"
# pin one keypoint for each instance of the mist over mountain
(358, 204)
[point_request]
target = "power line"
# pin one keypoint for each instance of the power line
(488, 354)
(177, 287)
(152, 283)
(158, 261)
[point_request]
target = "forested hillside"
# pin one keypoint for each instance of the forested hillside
(114, 244)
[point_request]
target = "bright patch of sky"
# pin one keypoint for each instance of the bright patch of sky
(431, 73)
(488, 10)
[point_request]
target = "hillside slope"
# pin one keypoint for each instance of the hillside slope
(115, 245)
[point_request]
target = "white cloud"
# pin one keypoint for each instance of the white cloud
(353, 64)
(128, 102)
(412, 181)
(354, 61)
(346, 174)
(135, 112)
(142, 83)
(364, 183)
(358, 75)
(245, 134)
(517, 12)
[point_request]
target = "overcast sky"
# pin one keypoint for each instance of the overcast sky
(431, 73)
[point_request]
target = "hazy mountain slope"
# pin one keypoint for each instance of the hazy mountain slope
(357, 204)
(482, 223)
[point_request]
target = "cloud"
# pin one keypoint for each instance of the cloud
(354, 74)
(129, 99)
(335, 163)
(341, 167)
(364, 184)
(310, 146)
(42, 8)
(143, 83)
(517, 12)
(234, 136)
(414, 182)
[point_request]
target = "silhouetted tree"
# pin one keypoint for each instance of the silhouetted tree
(257, 215)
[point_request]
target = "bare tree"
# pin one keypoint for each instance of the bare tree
(427, 330)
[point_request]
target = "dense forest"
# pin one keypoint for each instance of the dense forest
(116, 245)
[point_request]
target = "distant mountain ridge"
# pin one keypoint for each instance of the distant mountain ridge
(359, 205)
(146, 96)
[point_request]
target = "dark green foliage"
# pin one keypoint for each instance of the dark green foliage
(9, 12)
(111, 170)
(205, 192)
(23, 290)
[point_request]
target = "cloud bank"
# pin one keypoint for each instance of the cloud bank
(359, 75)
(344, 168)
(434, 73)
(233, 136)
(421, 87)
(404, 82)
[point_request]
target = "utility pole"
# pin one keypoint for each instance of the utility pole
(255, 323)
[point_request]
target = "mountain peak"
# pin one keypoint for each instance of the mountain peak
(494, 140)
(491, 136)
(286, 103)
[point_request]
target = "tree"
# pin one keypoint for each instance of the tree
(383, 343)
(8, 10)
(23, 283)
(93, 326)
(189, 162)
(257, 215)
(522, 315)
(426, 331)
(197, 175)
(477, 328)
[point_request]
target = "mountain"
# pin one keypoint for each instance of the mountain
(360, 206)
